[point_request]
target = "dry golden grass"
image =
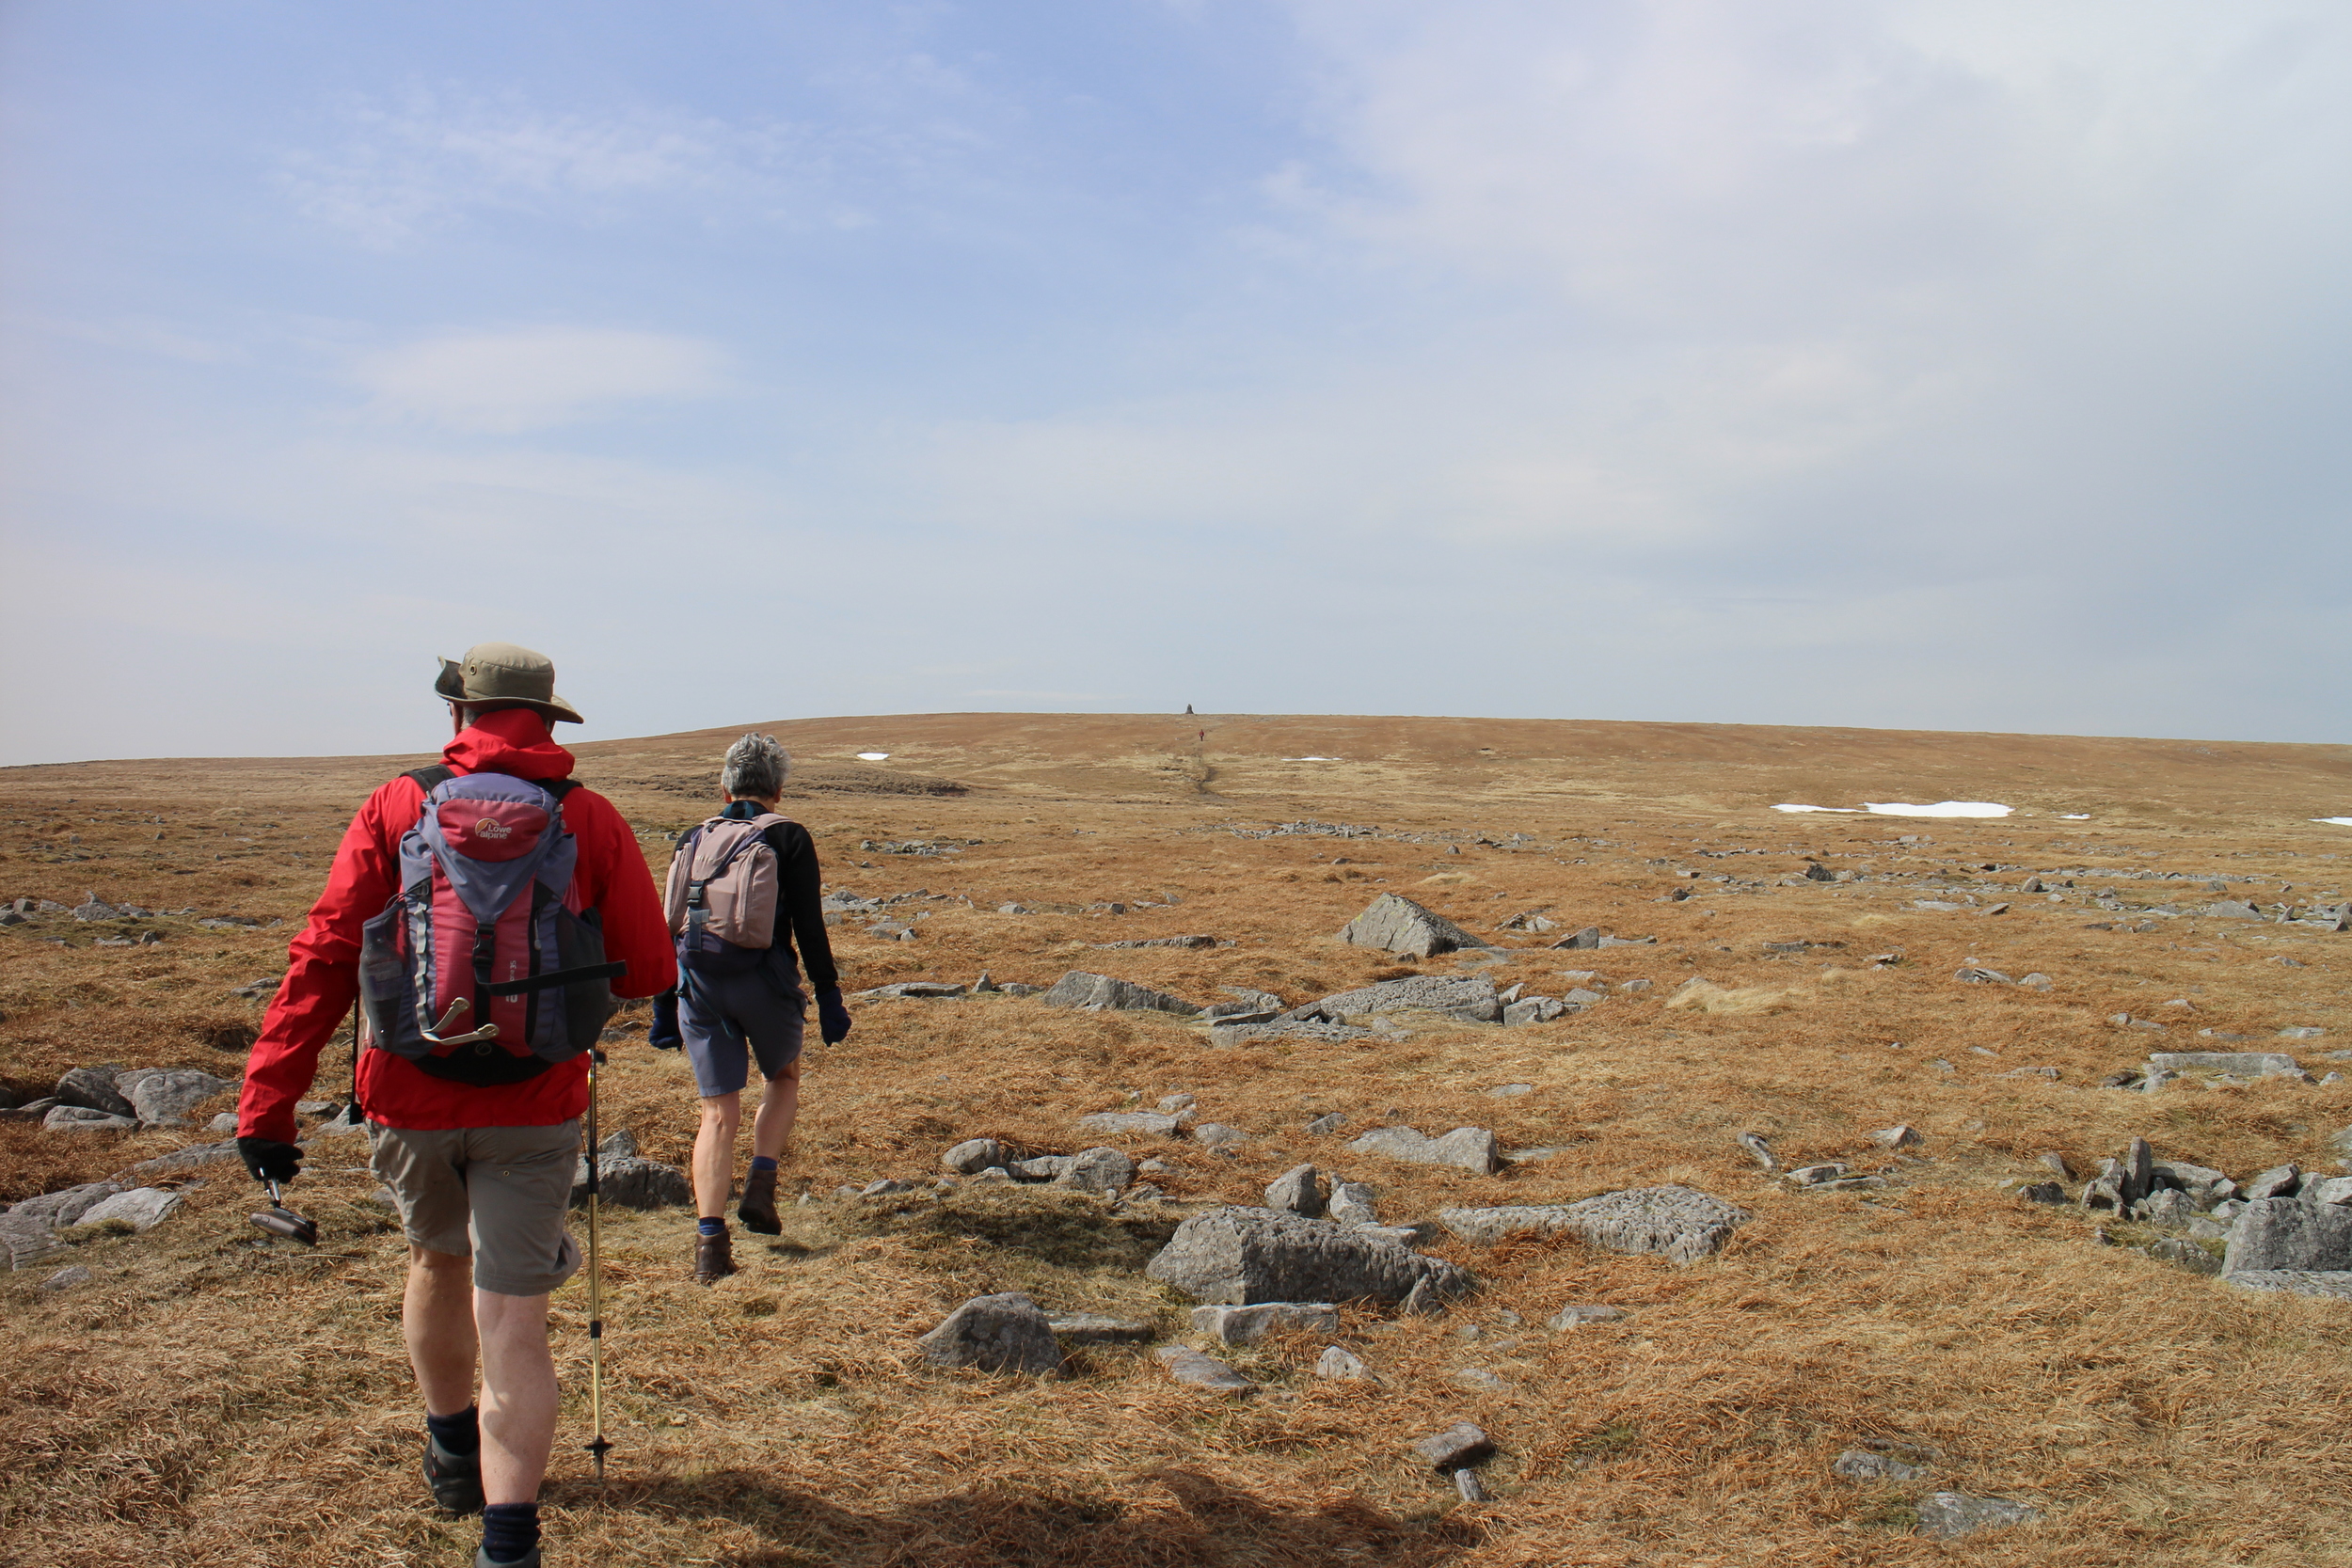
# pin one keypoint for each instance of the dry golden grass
(210, 1401)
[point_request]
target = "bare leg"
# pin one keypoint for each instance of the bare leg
(518, 1395)
(714, 1153)
(436, 1319)
(771, 1128)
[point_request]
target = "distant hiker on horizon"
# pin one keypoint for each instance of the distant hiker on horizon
(743, 887)
(493, 909)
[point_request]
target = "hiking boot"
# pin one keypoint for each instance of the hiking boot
(481, 1559)
(714, 1259)
(454, 1477)
(759, 1208)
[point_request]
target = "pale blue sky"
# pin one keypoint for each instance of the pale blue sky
(1900, 364)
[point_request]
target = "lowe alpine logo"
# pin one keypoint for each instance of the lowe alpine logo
(491, 827)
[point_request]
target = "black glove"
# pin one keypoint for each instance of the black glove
(832, 1019)
(268, 1159)
(663, 1033)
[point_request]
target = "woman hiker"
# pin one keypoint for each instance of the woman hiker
(743, 889)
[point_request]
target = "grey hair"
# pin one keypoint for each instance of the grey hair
(756, 768)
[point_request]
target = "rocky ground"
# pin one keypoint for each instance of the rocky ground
(1507, 1144)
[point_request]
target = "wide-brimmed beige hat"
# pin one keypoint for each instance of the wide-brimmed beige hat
(502, 673)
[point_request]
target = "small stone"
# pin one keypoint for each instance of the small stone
(1330, 1122)
(1044, 1167)
(1470, 1147)
(1216, 1134)
(889, 1186)
(1862, 1464)
(1468, 1486)
(1457, 1445)
(2044, 1191)
(1005, 1333)
(1098, 1170)
(78, 1118)
(66, 1278)
(1352, 1203)
(2037, 981)
(1176, 1104)
(141, 1208)
(1299, 1190)
(1143, 1124)
(1395, 923)
(1341, 1366)
(1191, 1368)
(1424, 1300)
(1479, 1380)
(1763, 1151)
(93, 1089)
(2277, 1182)
(1583, 1315)
(1242, 1325)
(1903, 1136)
(627, 1181)
(1949, 1515)
(972, 1155)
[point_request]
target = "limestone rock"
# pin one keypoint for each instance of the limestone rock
(141, 1208)
(1242, 1325)
(2284, 1233)
(92, 1088)
(25, 1241)
(1299, 1190)
(1097, 993)
(1085, 1328)
(1148, 1124)
(1862, 1464)
(1903, 1136)
(1097, 1170)
(2277, 1182)
(2335, 1283)
(1352, 1203)
(1340, 1364)
(1949, 1515)
(1216, 1134)
(66, 1278)
(973, 1156)
(1680, 1222)
(2245, 1064)
(77, 1119)
(1470, 1147)
(165, 1096)
(1395, 923)
(57, 1210)
(1459, 1444)
(1583, 1315)
(1196, 1370)
(1044, 1167)
(1330, 1122)
(1470, 996)
(633, 1182)
(996, 1334)
(1238, 1257)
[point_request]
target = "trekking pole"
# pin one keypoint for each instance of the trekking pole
(596, 1285)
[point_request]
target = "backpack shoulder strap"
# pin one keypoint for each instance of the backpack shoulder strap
(430, 779)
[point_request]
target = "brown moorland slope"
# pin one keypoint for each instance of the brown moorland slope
(205, 1399)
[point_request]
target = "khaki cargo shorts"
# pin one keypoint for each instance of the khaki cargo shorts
(496, 1193)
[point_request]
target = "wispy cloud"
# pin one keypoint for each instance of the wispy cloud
(503, 382)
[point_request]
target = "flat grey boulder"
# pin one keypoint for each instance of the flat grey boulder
(141, 1208)
(1585, 1314)
(1085, 1328)
(994, 1334)
(92, 1088)
(2244, 1063)
(81, 1119)
(1237, 1257)
(1862, 1464)
(1097, 1170)
(909, 990)
(633, 1182)
(1467, 994)
(2286, 1233)
(1101, 993)
(66, 1278)
(2336, 1283)
(1216, 1134)
(1459, 1444)
(1395, 923)
(1468, 1148)
(1244, 1325)
(57, 1210)
(1044, 1167)
(26, 1242)
(1147, 1124)
(1194, 1370)
(1949, 1515)
(973, 1156)
(162, 1097)
(1680, 1222)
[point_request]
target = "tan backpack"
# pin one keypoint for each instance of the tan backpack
(723, 894)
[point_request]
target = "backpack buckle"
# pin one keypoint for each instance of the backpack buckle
(437, 1034)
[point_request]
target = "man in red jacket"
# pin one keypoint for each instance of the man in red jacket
(483, 1173)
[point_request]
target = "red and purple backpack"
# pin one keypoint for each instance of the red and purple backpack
(483, 969)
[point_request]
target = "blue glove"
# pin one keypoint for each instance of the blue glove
(832, 1019)
(663, 1033)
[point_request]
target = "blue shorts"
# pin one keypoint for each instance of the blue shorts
(731, 1019)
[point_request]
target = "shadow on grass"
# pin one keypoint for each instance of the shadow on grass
(1047, 1526)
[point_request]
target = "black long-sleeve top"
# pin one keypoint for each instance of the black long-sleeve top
(799, 887)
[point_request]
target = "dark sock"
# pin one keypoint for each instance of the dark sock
(761, 1162)
(509, 1530)
(459, 1433)
(710, 1228)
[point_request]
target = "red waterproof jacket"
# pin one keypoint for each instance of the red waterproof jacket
(323, 963)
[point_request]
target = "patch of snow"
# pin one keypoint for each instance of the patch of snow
(1941, 808)
(2339, 821)
(1310, 759)
(873, 756)
(1848, 810)
(2074, 817)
